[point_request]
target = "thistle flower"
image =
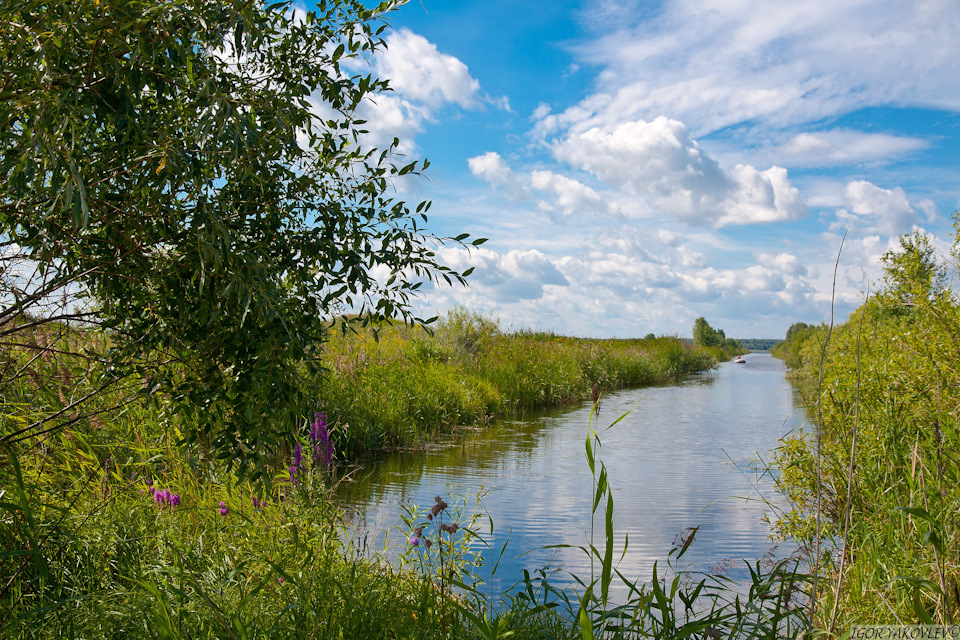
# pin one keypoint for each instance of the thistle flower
(449, 528)
(438, 507)
(414, 541)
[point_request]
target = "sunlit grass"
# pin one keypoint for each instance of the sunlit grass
(406, 386)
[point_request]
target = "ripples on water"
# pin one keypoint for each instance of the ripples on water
(686, 455)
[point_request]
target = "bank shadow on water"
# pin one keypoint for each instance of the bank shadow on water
(687, 455)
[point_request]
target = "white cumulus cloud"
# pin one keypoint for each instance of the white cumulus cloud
(661, 162)
(877, 210)
(418, 71)
(717, 63)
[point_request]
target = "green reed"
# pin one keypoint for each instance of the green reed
(880, 468)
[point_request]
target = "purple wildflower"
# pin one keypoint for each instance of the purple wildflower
(223, 510)
(414, 541)
(297, 455)
(320, 437)
(295, 468)
(164, 497)
(256, 503)
(319, 423)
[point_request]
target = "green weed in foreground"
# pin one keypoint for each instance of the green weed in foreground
(176, 551)
(676, 603)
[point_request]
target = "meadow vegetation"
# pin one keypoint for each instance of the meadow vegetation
(114, 525)
(876, 487)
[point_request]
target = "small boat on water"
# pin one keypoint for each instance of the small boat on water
(740, 360)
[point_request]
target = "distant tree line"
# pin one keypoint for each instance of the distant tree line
(758, 344)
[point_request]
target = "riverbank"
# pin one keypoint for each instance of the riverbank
(404, 386)
(878, 493)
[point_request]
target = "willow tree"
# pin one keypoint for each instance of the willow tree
(190, 177)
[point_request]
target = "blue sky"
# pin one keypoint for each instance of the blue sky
(637, 164)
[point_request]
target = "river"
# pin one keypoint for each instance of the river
(687, 455)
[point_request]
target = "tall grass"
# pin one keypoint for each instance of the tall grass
(406, 386)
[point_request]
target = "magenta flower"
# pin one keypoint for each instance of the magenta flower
(297, 455)
(164, 497)
(414, 541)
(223, 510)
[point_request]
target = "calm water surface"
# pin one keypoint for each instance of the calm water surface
(686, 455)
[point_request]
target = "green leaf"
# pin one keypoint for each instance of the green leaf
(605, 576)
(586, 625)
(919, 512)
(589, 452)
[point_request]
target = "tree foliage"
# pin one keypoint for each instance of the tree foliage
(703, 334)
(791, 348)
(912, 274)
(189, 175)
(706, 336)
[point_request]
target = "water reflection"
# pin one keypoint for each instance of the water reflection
(686, 455)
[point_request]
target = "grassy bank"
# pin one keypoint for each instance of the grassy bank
(407, 386)
(886, 483)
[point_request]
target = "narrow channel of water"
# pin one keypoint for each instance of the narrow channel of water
(686, 455)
